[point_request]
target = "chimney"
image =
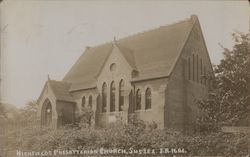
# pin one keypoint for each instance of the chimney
(194, 18)
(87, 48)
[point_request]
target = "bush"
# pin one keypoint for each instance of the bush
(134, 135)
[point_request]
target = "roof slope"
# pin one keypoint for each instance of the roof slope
(89, 64)
(153, 53)
(128, 54)
(61, 90)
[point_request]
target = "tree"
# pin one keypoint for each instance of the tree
(2, 111)
(229, 102)
(27, 115)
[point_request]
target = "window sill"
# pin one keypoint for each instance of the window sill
(147, 110)
(112, 112)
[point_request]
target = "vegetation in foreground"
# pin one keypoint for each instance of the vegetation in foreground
(132, 136)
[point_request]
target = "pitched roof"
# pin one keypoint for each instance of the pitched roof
(89, 64)
(89, 84)
(128, 54)
(61, 90)
(153, 53)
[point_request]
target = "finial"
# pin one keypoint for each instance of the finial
(87, 47)
(48, 78)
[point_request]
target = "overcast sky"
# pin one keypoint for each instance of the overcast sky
(46, 37)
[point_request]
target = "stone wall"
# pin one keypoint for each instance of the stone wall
(48, 96)
(173, 98)
(65, 112)
(121, 70)
(156, 113)
(187, 84)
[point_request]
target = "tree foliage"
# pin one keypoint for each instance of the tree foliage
(28, 114)
(229, 102)
(25, 116)
(2, 111)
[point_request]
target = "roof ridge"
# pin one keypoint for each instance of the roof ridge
(153, 51)
(153, 29)
(141, 32)
(57, 87)
(59, 81)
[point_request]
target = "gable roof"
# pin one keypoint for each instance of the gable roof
(61, 90)
(128, 55)
(153, 53)
(89, 64)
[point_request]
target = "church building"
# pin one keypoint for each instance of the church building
(155, 76)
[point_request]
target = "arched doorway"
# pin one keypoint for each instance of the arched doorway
(46, 113)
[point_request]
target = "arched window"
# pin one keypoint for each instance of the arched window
(201, 72)
(90, 101)
(112, 67)
(197, 68)
(189, 69)
(121, 95)
(131, 102)
(193, 68)
(205, 74)
(148, 99)
(104, 97)
(112, 97)
(138, 100)
(83, 101)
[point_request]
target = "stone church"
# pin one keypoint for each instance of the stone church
(156, 76)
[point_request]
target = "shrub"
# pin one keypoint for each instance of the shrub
(118, 135)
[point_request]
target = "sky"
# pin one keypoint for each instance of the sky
(41, 38)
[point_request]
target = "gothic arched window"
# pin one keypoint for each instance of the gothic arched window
(189, 69)
(193, 68)
(83, 101)
(148, 99)
(131, 102)
(205, 74)
(121, 95)
(201, 72)
(104, 97)
(112, 97)
(197, 68)
(138, 100)
(90, 101)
